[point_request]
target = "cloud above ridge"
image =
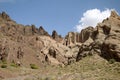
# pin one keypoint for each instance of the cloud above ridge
(92, 17)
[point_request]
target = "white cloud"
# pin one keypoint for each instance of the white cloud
(4, 1)
(92, 17)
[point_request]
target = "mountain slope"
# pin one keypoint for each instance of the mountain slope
(77, 56)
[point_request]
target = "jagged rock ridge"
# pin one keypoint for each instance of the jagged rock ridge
(28, 44)
(103, 40)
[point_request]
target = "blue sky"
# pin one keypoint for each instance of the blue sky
(59, 15)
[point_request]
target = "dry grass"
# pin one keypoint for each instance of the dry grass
(94, 68)
(89, 68)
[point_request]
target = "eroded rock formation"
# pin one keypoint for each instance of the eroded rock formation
(106, 39)
(56, 37)
(30, 45)
(4, 16)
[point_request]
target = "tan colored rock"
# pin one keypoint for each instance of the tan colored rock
(38, 47)
(53, 49)
(105, 39)
(74, 37)
(20, 53)
(85, 49)
(56, 37)
(42, 31)
(71, 38)
(111, 45)
(86, 33)
(4, 16)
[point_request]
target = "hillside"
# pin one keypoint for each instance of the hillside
(30, 53)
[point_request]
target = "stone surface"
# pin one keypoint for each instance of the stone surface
(4, 16)
(42, 31)
(30, 45)
(74, 37)
(111, 44)
(56, 37)
(105, 39)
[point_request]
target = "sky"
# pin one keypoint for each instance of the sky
(60, 15)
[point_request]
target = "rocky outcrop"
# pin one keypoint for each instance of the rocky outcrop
(4, 50)
(105, 39)
(28, 44)
(4, 16)
(74, 37)
(25, 42)
(20, 53)
(111, 44)
(86, 33)
(71, 38)
(32, 30)
(4, 53)
(42, 31)
(85, 49)
(56, 37)
(54, 53)
(28, 30)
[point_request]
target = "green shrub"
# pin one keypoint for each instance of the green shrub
(13, 65)
(111, 61)
(4, 61)
(4, 66)
(33, 66)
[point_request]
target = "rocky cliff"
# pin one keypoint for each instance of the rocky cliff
(27, 44)
(103, 40)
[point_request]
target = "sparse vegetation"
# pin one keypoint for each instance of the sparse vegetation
(4, 62)
(111, 61)
(29, 47)
(89, 68)
(3, 66)
(94, 68)
(33, 66)
(13, 65)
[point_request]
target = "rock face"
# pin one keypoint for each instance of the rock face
(56, 37)
(111, 44)
(105, 39)
(42, 31)
(4, 50)
(32, 30)
(70, 38)
(30, 45)
(4, 16)
(74, 37)
(53, 52)
(86, 33)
